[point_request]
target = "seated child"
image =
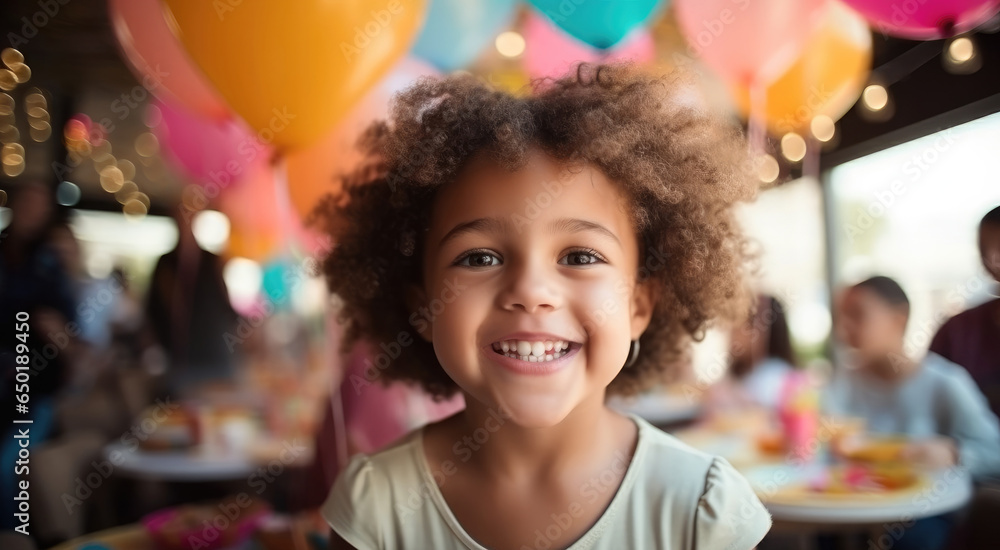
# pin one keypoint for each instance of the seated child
(934, 401)
(537, 254)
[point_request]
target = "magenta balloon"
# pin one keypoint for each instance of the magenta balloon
(551, 52)
(748, 41)
(159, 61)
(925, 19)
(209, 152)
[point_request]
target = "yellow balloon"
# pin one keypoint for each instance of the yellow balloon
(293, 69)
(826, 80)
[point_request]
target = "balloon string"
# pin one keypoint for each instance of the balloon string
(756, 125)
(279, 167)
(810, 165)
(338, 363)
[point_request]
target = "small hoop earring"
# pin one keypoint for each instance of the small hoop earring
(633, 354)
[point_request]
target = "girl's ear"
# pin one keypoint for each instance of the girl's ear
(416, 301)
(644, 299)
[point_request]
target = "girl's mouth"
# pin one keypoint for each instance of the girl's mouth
(538, 351)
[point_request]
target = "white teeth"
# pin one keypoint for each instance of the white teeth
(523, 348)
(538, 349)
(533, 352)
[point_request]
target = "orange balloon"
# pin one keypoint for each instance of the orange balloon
(293, 69)
(312, 172)
(826, 80)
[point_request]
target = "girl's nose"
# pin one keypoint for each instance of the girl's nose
(532, 288)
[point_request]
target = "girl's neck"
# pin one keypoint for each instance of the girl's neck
(591, 430)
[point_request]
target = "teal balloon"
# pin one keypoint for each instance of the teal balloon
(600, 23)
(456, 31)
(275, 281)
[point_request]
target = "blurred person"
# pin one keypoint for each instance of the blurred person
(96, 298)
(33, 281)
(972, 338)
(190, 313)
(762, 358)
(126, 318)
(932, 401)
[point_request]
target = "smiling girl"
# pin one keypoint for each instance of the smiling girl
(541, 253)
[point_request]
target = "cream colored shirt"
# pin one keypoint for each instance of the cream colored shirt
(672, 496)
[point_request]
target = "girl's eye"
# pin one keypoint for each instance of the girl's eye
(478, 258)
(583, 257)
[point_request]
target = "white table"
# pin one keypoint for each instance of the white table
(946, 491)
(183, 466)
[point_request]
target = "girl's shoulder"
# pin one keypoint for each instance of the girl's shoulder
(366, 490)
(714, 503)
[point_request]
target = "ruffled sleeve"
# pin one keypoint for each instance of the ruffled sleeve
(352, 507)
(729, 514)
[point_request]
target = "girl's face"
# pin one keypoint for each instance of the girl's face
(542, 262)
(869, 325)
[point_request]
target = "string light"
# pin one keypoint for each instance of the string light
(124, 194)
(768, 169)
(961, 49)
(510, 44)
(875, 97)
(112, 179)
(147, 145)
(961, 56)
(127, 169)
(134, 210)
(822, 128)
(793, 147)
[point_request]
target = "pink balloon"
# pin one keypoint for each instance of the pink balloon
(159, 61)
(748, 42)
(551, 52)
(219, 152)
(925, 19)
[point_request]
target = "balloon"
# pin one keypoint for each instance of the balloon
(158, 59)
(826, 80)
(600, 23)
(550, 52)
(457, 30)
(925, 19)
(293, 69)
(312, 172)
(751, 41)
(275, 282)
(254, 215)
(218, 153)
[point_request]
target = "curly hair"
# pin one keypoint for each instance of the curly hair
(681, 168)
